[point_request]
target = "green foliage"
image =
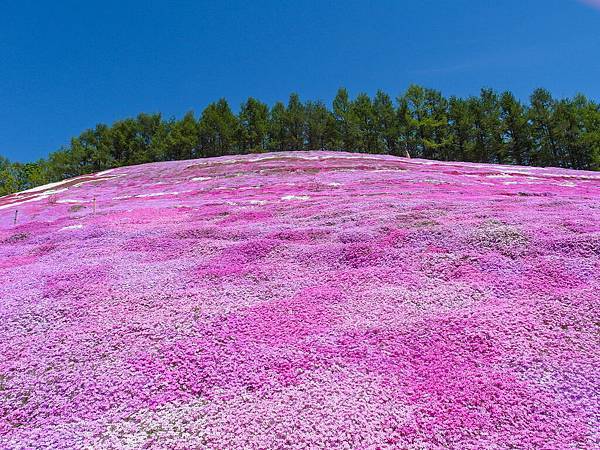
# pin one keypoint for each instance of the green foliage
(182, 138)
(491, 127)
(294, 124)
(387, 125)
(319, 126)
(485, 112)
(8, 180)
(253, 126)
(363, 114)
(218, 130)
(345, 122)
(425, 122)
(277, 127)
(516, 130)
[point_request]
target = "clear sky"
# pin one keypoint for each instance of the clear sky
(67, 65)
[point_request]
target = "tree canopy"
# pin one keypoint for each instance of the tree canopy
(492, 127)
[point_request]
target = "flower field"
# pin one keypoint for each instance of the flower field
(302, 300)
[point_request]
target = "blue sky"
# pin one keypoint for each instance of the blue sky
(67, 65)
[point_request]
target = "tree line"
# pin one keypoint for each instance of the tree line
(489, 128)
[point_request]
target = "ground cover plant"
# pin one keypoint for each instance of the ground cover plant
(302, 300)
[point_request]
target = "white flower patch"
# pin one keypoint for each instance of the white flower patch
(72, 227)
(156, 194)
(295, 197)
(428, 163)
(201, 178)
(96, 179)
(580, 177)
(44, 187)
(40, 196)
(433, 181)
(104, 172)
(518, 172)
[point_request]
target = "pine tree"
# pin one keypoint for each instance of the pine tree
(367, 133)
(516, 129)
(386, 123)
(425, 114)
(319, 127)
(460, 123)
(541, 114)
(294, 124)
(488, 143)
(277, 127)
(8, 178)
(590, 137)
(181, 139)
(254, 126)
(345, 122)
(217, 130)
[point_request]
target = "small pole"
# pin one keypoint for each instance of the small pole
(94, 205)
(16, 214)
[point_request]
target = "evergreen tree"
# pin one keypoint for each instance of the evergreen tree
(436, 132)
(217, 130)
(320, 126)
(254, 126)
(345, 122)
(182, 138)
(123, 137)
(93, 150)
(387, 124)
(590, 136)
(367, 133)
(488, 143)
(8, 177)
(149, 143)
(294, 124)
(516, 129)
(277, 127)
(545, 150)
(425, 114)
(60, 165)
(460, 123)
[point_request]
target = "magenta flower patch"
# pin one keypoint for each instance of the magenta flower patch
(302, 300)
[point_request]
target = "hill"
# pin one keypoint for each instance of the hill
(302, 300)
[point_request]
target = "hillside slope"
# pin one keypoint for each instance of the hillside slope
(302, 300)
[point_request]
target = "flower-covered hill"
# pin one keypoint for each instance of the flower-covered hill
(302, 300)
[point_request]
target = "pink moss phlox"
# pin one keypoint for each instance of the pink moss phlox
(302, 300)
